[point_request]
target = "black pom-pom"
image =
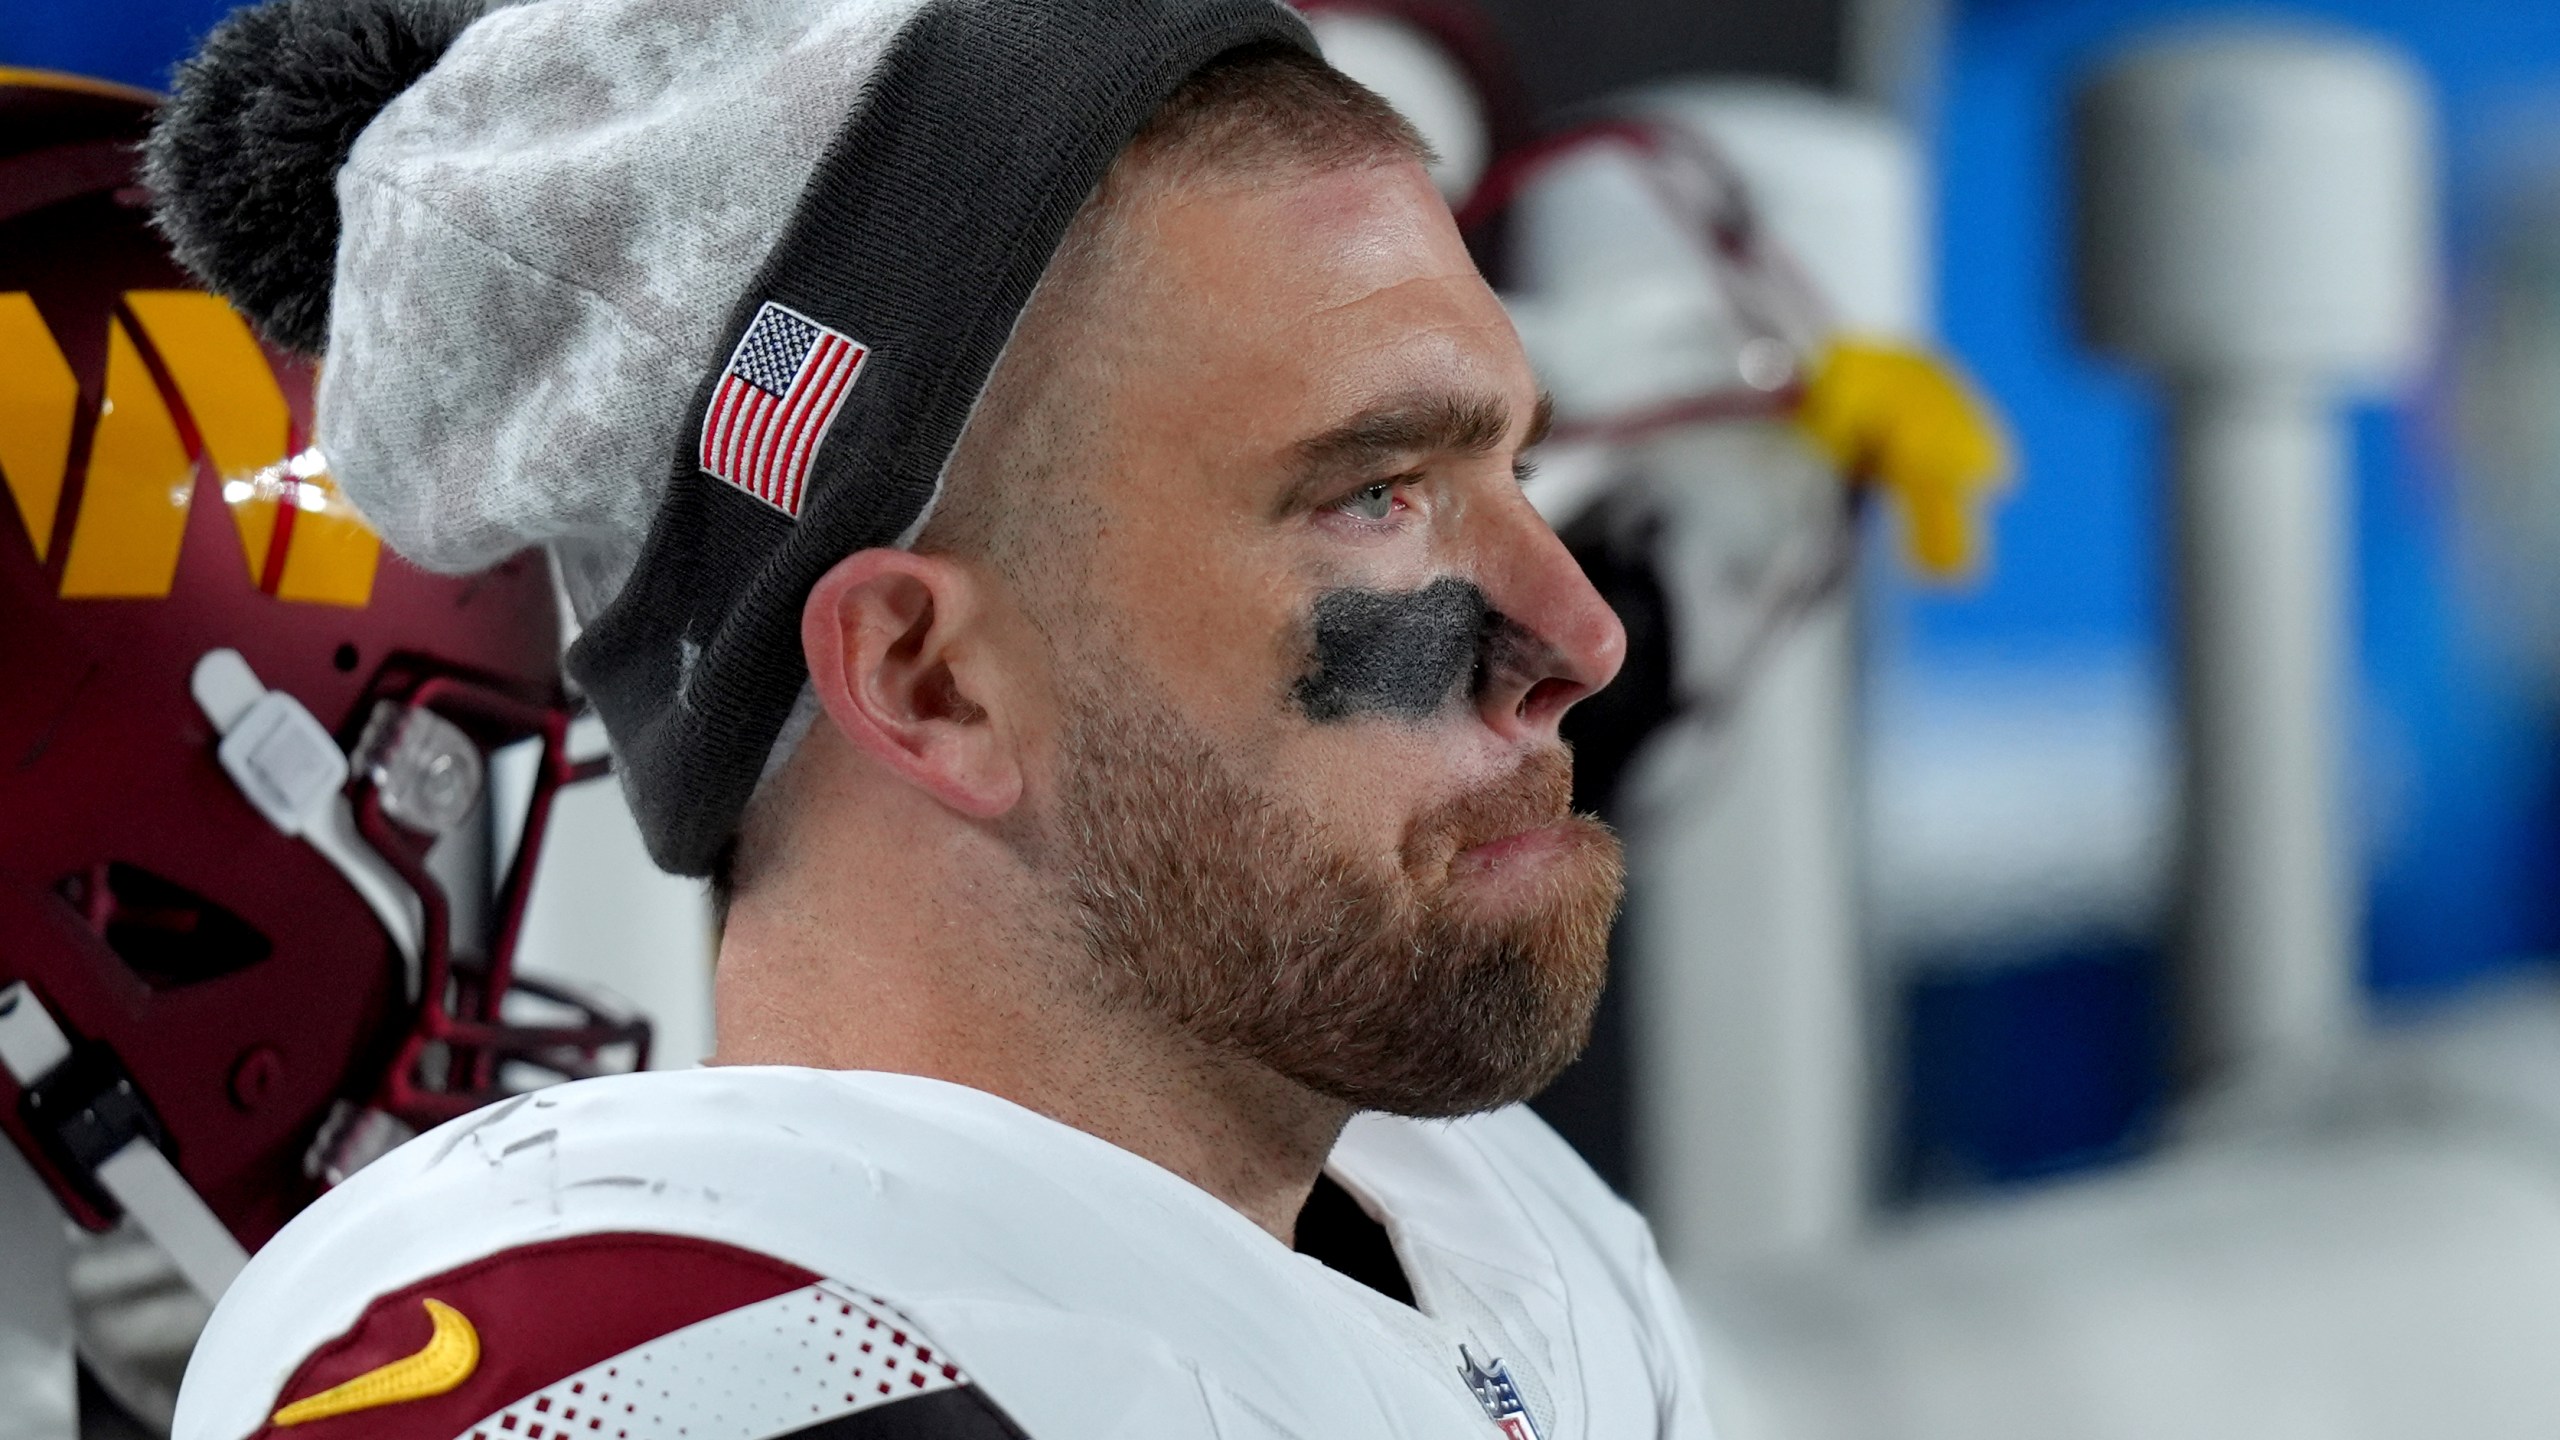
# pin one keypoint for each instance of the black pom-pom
(242, 162)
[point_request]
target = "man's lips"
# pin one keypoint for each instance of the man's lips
(1506, 822)
(1518, 845)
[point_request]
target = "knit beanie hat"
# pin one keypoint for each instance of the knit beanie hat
(697, 293)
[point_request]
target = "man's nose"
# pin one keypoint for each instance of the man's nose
(1562, 641)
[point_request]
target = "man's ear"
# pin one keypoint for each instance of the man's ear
(897, 643)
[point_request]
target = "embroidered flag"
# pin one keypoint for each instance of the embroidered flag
(771, 410)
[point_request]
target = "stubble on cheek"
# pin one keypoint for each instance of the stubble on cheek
(1220, 906)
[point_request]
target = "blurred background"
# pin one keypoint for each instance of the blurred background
(2083, 481)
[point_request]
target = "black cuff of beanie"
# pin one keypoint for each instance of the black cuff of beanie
(922, 235)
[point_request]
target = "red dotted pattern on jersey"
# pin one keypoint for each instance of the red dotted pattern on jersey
(795, 1360)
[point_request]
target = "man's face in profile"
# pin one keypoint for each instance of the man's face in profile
(1304, 778)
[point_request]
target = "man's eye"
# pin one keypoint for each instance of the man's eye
(1371, 502)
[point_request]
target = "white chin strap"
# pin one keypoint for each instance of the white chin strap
(136, 1175)
(283, 760)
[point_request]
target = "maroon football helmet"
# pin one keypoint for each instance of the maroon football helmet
(254, 910)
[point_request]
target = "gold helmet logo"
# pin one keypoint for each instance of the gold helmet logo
(188, 396)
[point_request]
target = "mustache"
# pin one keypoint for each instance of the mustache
(1539, 792)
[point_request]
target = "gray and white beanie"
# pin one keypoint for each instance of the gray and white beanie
(697, 293)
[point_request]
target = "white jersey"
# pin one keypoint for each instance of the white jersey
(730, 1254)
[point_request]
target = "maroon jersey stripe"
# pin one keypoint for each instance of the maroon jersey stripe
(543, 1312)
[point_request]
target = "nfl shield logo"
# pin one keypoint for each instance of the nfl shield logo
(1494, 1390)
(770, 412)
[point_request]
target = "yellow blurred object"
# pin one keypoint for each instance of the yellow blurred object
(1910, 422)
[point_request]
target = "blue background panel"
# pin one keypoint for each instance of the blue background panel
(2455, 776)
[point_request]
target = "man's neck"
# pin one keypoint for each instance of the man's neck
(918, 990)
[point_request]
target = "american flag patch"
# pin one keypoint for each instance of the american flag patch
(770, 413)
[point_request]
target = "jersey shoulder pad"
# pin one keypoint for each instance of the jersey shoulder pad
(628, 1336)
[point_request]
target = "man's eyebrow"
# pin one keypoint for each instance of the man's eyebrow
(1398, 429)
(1542, 421)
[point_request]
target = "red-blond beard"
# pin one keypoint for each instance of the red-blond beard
(1216, 904)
